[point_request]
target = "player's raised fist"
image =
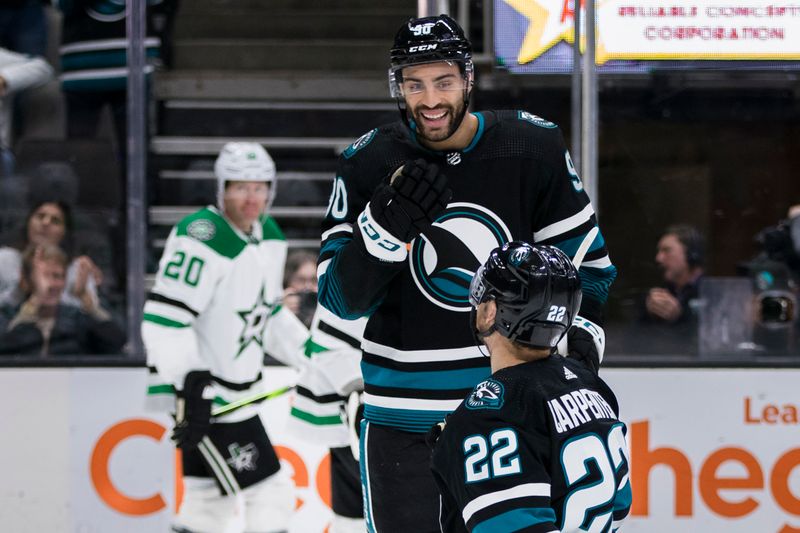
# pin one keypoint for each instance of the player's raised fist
(416, 195)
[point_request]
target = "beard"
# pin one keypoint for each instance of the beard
(455, 114)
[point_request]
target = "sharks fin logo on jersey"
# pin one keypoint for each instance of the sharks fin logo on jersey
(359, 143)
(486, 395)
(463, 237)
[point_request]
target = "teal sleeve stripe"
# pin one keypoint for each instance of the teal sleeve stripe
(413, 421)
(332, 245)
(316, 420)
(596, 282)
(622, 502)
(163, 321)
(516, 519)
(330, 294)
(570, 246)
(465, 378)
(99, 59)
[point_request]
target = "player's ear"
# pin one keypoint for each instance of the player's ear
(487, 311)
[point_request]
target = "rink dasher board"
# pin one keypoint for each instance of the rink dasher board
(81, 454)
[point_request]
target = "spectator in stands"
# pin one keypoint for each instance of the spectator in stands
(18, 72)
(43, 325)
(49, 222)
(300, 284)
(679, 255)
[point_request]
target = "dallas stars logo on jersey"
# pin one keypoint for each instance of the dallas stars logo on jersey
(243, 457)
(255, 320)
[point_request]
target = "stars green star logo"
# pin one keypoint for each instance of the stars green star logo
(255, 320)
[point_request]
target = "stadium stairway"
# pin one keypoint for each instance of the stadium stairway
(302, 77)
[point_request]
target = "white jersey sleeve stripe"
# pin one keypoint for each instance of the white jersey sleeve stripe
(563, 226)
(603, 262)
(421, 356)
(337, 229)
(520, 491)
(411, 403)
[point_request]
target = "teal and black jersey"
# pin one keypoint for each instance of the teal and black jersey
(537, 447)
(515, 181)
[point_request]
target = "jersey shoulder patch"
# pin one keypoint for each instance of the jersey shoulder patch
(359, 143)
(270, 229)
(488, 394)
(536, 120)
(208, 227)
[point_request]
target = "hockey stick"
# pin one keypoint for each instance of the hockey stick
(577, 260)
(584, 247)
(233, 406)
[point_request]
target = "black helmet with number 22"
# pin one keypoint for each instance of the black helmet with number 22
(537, 291)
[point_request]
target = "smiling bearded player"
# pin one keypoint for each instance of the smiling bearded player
(415, 209)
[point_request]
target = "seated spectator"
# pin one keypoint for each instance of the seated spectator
(669, 313)
(300, 284)
(43, 325)
(48, 222)
(680, 256)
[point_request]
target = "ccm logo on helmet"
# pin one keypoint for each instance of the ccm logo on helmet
(423, 47)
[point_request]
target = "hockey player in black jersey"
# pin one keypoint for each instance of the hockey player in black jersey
(416, 207)
(539, 445)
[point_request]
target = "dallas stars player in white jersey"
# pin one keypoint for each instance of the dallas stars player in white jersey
(539, 445)
(213, 312)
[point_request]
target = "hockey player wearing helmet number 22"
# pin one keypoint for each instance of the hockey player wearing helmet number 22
(416, 208)
(539, 445)
(213, 313)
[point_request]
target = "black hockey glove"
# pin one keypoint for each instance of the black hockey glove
(432, 437)
(416, 195)
(586, 342)
(192, 411)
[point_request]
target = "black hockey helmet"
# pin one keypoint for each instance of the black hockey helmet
(428, 40)
(537, 291)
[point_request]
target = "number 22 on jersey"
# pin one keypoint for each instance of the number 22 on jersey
(494, 457)
(586, 496)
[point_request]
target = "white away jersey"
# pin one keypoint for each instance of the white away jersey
(216, 305)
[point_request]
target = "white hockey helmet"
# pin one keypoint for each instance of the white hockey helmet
(244, 161)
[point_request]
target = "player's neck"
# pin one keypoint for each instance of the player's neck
(460, 138)
(504, 357)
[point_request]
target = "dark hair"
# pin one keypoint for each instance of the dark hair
(693, 243)
(66, 243)
(295, 260)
